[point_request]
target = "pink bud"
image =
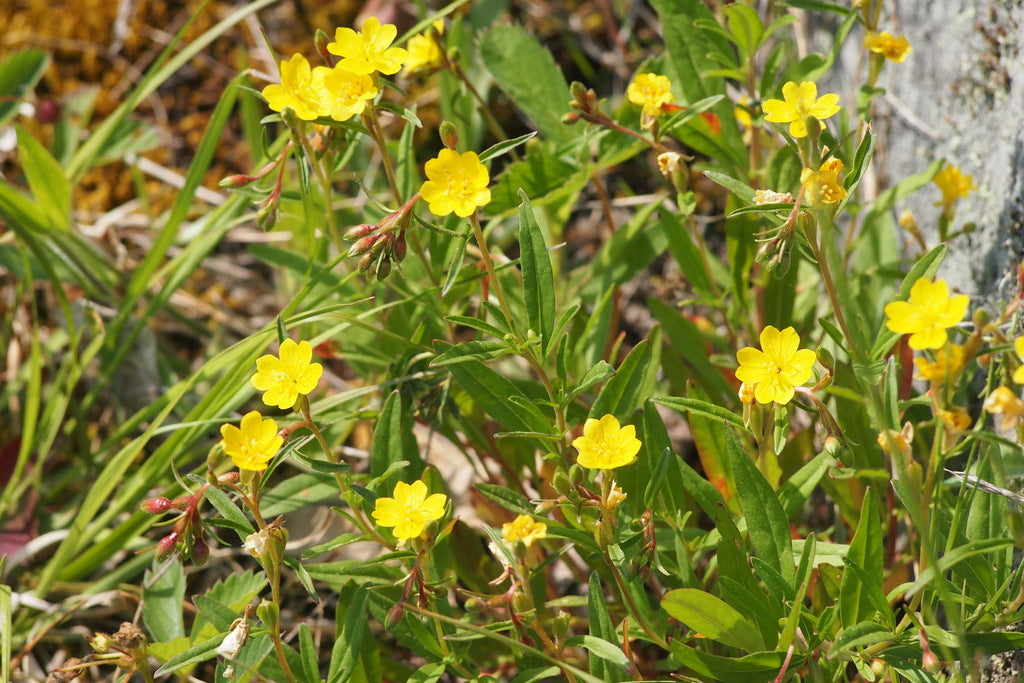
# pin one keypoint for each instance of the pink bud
(166, 545)
(359, 231)
(363, 245)
(156, 506)
(47, 111)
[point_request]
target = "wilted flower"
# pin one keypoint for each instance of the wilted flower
(823, 186)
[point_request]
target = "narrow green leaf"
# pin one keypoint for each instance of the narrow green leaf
(743, 191)
(505, 146)
(866, 551)
(46, 180)
(713, 618)
(513, 501)
(195, 654)
(622, 394)
(471, 350)
(760, 667)
(394, 441)
(600, 625)
(352, 627)
(538, 276)
(229, 511)
(602, 649)
(19, 74)
(767, 523)
(704, 408)
(527, 72)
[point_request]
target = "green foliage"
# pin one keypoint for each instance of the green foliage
(600, 299)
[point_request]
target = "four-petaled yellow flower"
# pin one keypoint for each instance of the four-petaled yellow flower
(345, 94)
(301, 89)
(823, 186)
(777, 368)
(1002, 401)
(949, 360)
(409, 510)
(800, 103)
(283, 378)
(650, 91)
(954, 185)
(1018, 346)
(927, 315)
(456, 182)
(605, 445)
(523, 528)
(253, 445)
(894, 48)
(424, 51)
(368, 50)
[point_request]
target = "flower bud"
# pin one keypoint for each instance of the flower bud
(267, 216)
(578, 90)
(571, 118)
(363, 245)
(358, 231)
(560, 482)
(383, 267)
(401, 248)
(320, 41)
(449, 135)
(474, 605)
(101, 643)
(366, 263)
(236, 180)
(200, 552)
(166, 545)
(156, 506)
(47, 111)
(394, 616)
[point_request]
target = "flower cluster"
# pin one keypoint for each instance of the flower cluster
(800, 103)
(893, 48)
(927, 315)
(344, 90)
(777, 368)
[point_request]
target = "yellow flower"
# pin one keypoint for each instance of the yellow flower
(801, 101)
(523, 528)
(300, 89)
(284, 378)
(424, 50)
(369, 50)
(345, 94)
(893, 442)
(410, 510)
(742, 113)
(949, 360)
(777, 368)
(615, 497)
(456, 182)
(1018, 346)
(605, 445)
(956, 420)
(927, 314)
(1002, 401)
(823, 186)
(252, 446)
(650, 91)
(895, 48)
(954, 185)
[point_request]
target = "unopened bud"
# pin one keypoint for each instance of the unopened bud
(930, 663)
(560, 482)
(980, 318)
(320, 41)
(101, 643)
(571, 118)
(383, 267)
(474, 605)
(47, 111)
(156, 506)
(267, 216)
(401, 248)
(879, 667)
(560, 625)
(166, 545)
(366, 263)
(449, 135)
(200, 552)
(394, 616)
(578, 90)
(236, 180)
(363, 245)
(832, 446)
(358, 231)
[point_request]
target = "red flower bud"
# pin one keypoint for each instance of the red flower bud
(359, 231)
(156, 506)
(200, 552)
(47, 111)
(166, 545)
(363, 245)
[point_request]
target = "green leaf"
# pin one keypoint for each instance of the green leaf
(46, 179)
(600, 625)
(867, 553)
(760, 667)
(704, 408)
(163, 595)
(767, 523)
(859, 635)
(713, 618)
(19, 74)
(393, 441)
(471, 350)
(527, 72)
(352, 627)
(538, 276)
(195, 654)
(506, 146)
(601, 649)
(512, 501)
(231, 513)
(743, 192)
(622, 394)
(428, 673)
(689, 343)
